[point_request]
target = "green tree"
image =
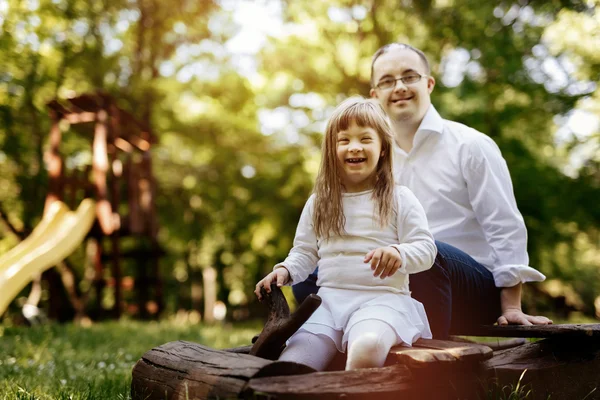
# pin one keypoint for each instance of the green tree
(227, 193)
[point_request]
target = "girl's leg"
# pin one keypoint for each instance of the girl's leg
(306, 348)
(369, 342)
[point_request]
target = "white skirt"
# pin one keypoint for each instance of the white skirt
(342, 308)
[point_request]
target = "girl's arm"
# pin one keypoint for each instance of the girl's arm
(417, 246)
(303, 257)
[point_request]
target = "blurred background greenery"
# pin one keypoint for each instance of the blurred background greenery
(238, 93)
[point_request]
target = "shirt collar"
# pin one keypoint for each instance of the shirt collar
(432, 121)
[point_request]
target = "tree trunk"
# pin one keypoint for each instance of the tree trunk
(209, 279)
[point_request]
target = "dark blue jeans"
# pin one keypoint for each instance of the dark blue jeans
(457, 292)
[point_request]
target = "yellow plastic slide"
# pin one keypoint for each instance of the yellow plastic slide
(56, 212)
(58, 234)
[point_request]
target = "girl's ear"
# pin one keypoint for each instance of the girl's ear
(382, 153)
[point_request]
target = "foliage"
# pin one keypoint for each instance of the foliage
(238, 150)
(229, 196)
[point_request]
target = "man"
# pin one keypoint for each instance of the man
(462, 181)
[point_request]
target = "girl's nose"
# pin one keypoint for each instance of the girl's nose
(355, 148)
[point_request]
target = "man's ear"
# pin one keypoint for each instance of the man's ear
(430, 84)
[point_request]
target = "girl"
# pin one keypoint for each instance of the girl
(357, 216)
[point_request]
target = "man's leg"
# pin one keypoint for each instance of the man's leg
(475, 297)
(303, 289)
(457, 292)
(433, 289)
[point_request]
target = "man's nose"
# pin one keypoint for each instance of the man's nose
(399, 86)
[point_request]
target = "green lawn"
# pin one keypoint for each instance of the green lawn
(76, 363)
(70, 362)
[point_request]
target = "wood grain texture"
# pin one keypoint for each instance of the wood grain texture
(538, 331)
(280, 325)
(561, 369)
(431, 351)
(185, 370)
(371, 382)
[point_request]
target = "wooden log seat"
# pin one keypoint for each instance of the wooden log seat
(186, 370)
(431, 369)
(570, 331)
(561, 369)
(556, 368)
(565, 365)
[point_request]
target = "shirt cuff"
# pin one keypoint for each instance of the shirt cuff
(293, 279)
(513, 274)
(403, 267)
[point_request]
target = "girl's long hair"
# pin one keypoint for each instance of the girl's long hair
(329, 216)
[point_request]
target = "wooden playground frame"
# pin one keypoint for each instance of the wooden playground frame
(117, 135)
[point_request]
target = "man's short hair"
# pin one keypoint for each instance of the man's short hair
(387, 47)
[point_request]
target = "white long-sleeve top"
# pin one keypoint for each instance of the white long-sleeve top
(341, 258)
(459, 176)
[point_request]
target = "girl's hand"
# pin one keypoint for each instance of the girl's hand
(385, 261)
(280, 275)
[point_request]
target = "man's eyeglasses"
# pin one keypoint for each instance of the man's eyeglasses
(390, 83)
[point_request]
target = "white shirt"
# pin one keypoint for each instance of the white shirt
(459, 176)
(341, 258)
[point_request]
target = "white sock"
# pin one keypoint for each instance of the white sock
(306, 348)
(369, 342)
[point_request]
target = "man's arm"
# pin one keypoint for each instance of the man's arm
(491, 195)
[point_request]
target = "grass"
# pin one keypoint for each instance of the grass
(68, 362)
(509, 392)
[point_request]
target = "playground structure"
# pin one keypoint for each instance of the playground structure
(59, 233)
(116, 195)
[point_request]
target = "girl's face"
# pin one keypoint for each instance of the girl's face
(358, 153)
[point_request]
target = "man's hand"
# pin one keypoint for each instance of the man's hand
(518, 317)
(510, 301)
(280, 275)
(385, 261)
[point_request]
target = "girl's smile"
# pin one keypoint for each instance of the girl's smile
(355, 160)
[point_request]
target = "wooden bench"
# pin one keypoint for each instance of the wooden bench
(564, 365)
(186, 370)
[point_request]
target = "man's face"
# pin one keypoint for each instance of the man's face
(403, 102)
